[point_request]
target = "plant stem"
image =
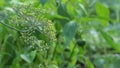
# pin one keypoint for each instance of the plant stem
(15, 28)
(54, 52)
(72, 51)
(9, 26)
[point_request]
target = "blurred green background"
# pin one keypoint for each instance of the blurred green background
(59, 34)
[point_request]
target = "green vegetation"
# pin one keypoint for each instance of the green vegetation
(59, 33)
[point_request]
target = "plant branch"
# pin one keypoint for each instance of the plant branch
(10, 26)
(15, 28)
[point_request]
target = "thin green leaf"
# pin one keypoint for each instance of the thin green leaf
(29, 57)
(109, 39)
(89, 64)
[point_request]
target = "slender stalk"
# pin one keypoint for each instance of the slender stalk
(9, 26)
(54, 52)
(72, 51)
(16, 28)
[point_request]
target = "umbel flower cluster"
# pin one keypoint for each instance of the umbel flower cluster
(35, 30)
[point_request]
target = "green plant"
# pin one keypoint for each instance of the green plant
(35, 34)
(59, 33)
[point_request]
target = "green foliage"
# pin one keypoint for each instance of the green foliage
(102, 11)
(43, 1)
(69, 31)
(59, 33)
